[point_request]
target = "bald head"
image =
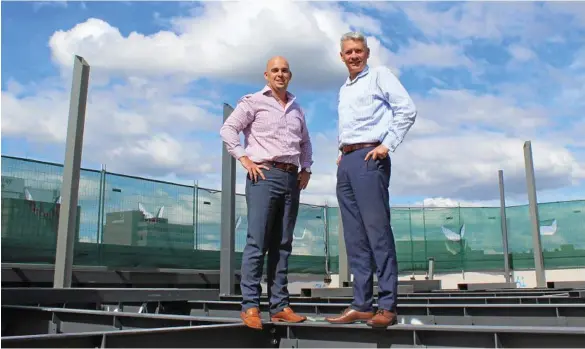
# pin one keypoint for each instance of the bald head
(277, 74)
(276, 60)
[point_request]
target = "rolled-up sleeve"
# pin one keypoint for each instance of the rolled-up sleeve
(402, 106)
(240, 118)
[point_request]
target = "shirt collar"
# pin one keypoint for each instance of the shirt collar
(360, 75)
(268, 91)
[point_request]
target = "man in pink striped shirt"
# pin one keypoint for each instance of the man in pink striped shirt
(277, 144)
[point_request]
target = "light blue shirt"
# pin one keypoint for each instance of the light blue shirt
(374, 107)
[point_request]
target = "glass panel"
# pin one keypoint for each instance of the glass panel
(562, 233)
(147, 223)
(333, 220)
(419, 240)
(401, 228)
(482, 233)
(309, 241)
(31, 199)
(445, 244)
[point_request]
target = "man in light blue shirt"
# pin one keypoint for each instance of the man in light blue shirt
(375, 113)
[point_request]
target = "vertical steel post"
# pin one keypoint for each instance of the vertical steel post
(326, 240)
(411, 241)
(71, 173)
(344, 272)
(431, 271)
(196, 212)
(425, 229)
(101, 214)
(534, 218)
(100, 199)
(103, 203)
(504, 222)
(228, 217)
(462, 244)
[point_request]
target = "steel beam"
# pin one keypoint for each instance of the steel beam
(487, 286)
(422, 285)
(534, 217)
(404, 287)
(452, 314)
(228, 217)
(563, 299)
(36, 320)
(566, 284)
(445, 314)
(495, 293)
(71, 172)
(41, 275)
(504, 293)
(504, 224)
(314, 334)
(22, 296)
(30, 320)
(222, 335)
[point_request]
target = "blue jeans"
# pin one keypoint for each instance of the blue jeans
(362, 192)
(273, 205)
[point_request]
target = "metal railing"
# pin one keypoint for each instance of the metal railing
(130, 221)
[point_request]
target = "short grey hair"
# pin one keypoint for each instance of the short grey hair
(353, 36)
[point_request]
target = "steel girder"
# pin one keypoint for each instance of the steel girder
(431, 314)
(45, 296)
(348, 292)
(310, 334)
(553, 299)
(165, 318)
(212, 312)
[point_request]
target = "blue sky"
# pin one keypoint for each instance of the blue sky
(484, 76)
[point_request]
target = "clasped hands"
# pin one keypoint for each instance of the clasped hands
(255, 170)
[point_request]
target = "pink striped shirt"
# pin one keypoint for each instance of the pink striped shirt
(271, 132)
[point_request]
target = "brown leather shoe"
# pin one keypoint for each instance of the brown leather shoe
(350, 316)
(382, 319)
(288, 315)
(252, 318)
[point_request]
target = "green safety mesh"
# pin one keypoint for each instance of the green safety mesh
(128, 222)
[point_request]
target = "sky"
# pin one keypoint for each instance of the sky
(485, 77)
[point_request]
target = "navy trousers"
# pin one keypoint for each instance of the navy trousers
(273, 206)
(362, 193)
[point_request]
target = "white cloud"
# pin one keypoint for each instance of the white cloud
(145, 125)
(434, 55)
(520, 53)
(441, 159)
(139, 126)
(206, 45)
(476, 111)
(528, 21)
(199, 45)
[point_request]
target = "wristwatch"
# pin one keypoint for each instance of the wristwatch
(308, 170)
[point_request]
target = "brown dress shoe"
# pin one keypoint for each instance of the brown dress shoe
(252, 318)
(382, 319)
(288, 315)
(350, 316)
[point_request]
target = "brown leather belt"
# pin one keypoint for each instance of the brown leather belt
(283, 166)
(353, 147)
